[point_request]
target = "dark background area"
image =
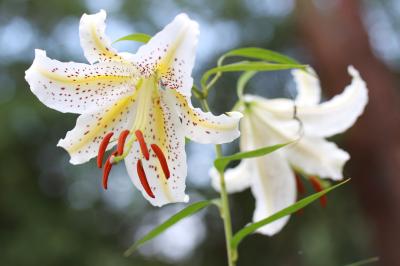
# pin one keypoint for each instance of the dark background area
(53, 213)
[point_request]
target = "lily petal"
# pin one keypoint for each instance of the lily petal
(204, 127)
(308, 87)
(338, 114)
(316, 156)
(165, 131)
(82, 142)
(274, 189)
(237, 179)
(171, 53)
(94, 42)
(78, 88)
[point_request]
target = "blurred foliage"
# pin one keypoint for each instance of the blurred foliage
(53, 213)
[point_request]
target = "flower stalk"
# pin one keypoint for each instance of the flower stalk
(224, 206)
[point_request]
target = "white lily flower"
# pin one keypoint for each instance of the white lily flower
(143, 96)
(270, 121)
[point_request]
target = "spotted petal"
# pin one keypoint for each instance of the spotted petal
(82, 142)
(164, 130)
(78, 88)
(171, 54)
(95, 44)
(204, 127)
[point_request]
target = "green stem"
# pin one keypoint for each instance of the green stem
(224, 208)
(225, 214)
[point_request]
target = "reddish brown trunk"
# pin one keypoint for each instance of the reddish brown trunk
(336, 38)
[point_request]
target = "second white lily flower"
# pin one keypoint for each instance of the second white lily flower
(271, 121)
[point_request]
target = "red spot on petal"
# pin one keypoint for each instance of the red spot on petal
(142, 143)
(316, 184)
(143, 179)
(161, 157)
(102, 148)
(121, 141)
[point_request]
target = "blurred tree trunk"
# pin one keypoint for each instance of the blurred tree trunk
(335, 37)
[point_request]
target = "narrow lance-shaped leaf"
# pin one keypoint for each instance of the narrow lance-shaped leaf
(136, 37)
(241, 234)
(221, 162)
(188, 211)
(247, 66)
(260, 54)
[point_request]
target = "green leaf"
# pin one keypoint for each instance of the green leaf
(221, 162)
(136, 37)
(364, 262)
(260, 54)
(188, 211)
(247, 66)
(241, 234)
(242, 81)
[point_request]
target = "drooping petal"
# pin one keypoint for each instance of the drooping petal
(274, 188)
(78, 88)
(161, 128)
(203, 127)
(308, 87)
(82, 142)
(338, 114)
(316, 156)
(237, 179)
(171, 54)
(95, 44)
(272, 180)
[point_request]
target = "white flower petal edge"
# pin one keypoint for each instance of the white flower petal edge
(236, 179)
(274, 189)
(94, 41)
(171, 54)
(308, 87)
(76, 87)
(338, 114)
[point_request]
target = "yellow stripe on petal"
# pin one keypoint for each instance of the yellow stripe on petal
(195, 117)
(111, 114)
(99, 45)
(85, 79)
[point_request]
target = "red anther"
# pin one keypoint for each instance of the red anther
(300, 186)
(143, 179)
(318, 187)
(121, 141)
(102, 148)
(161, 158)
(107, 169)
(142, 143)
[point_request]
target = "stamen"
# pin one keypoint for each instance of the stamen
(107, 169)
(318, 187)
(300, 186)
(121, 141)
(143, 179)
(102, 148)
(161, 157)
(142, 143)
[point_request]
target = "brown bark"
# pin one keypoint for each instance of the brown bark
(336, 38)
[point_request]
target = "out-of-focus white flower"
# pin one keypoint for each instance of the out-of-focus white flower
(271, 121)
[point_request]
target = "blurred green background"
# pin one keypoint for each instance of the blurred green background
(53, 213)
